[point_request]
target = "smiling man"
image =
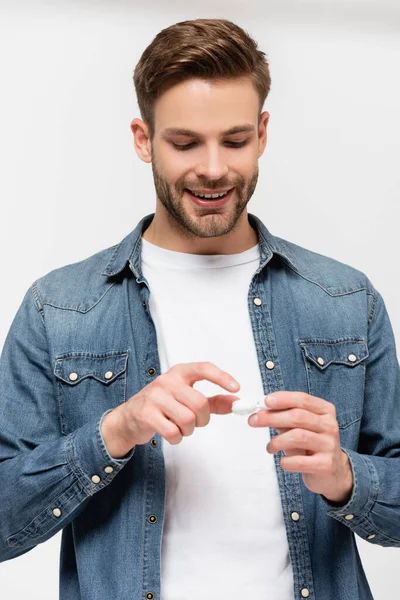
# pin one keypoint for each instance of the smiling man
(217, 155)
(161, 488)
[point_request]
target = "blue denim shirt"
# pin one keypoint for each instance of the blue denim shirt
(83, 341)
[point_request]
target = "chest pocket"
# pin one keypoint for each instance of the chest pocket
(335, 371)
(88, 385)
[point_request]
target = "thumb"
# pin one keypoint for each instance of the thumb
(221, 404)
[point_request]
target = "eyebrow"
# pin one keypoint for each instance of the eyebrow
(189, 132)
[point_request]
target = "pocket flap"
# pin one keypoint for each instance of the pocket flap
(346, 352)
(73, 367)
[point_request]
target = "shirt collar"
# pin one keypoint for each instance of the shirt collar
(129, 249)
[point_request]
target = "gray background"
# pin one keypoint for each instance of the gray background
(71, 183)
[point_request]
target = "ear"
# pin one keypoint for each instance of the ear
(142, 142)
(262, 133)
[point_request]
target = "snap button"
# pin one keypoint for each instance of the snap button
(154, 443)
(144, 304)
(352, 357)
(320, 361)
(108, 469)
(305, 592)
(96, 479)
(73, 376)
(151, 371)
(371, 536)
(257, 301)
(153, 519)
(349, 517)
(56, 512)
(295, 516)
(149, 596)
(108, 375)
(269, 364)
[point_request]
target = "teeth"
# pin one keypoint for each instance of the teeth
(210, 196)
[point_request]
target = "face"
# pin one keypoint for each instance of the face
(218, 151)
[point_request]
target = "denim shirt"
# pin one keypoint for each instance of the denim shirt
(83, 342)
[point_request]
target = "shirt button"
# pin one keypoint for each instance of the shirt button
(305, 592)
(257, 301)
(349, 517)
(153, 519)
(269, 364)
(56, 512)
(295, 516)
(371, 536)
(108, 375)
(73, 376)
(320, 361)
(108, 469)
(352, 357)
(96, 479)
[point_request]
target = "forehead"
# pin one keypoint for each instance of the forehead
(207, 106)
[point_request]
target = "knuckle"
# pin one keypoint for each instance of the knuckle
(171, 434)
(332, 409)
(299, 435)
(332, 426)
(298, 416)
(188, 419)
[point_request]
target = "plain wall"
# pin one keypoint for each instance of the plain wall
(72, 184)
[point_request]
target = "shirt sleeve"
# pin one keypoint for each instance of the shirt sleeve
(46, 478)
(373, 511)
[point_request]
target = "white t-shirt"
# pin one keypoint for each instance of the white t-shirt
(224, 534)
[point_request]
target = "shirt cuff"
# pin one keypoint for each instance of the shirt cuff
(89, 459)
(365, 489)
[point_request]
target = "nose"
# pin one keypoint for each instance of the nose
(211, 165)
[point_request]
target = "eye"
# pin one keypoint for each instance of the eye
(192, 144)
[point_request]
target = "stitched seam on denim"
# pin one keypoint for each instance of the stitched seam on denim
(35, 293)
(76, 309)
(80, 475)
(373, 308)
(60, 413)
(325, 289)
(375, 483)
(113, 258)
(348, 424)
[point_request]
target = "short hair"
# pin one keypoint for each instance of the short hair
(216, 49)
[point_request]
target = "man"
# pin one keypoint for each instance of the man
(161, 491)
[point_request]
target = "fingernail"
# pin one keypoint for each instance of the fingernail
(271, 400)
(253, 420)
(233, 385)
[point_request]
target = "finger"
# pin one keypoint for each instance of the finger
(198, 371)
(194, 401)
(166, 428)
(317, 464)
(284, 400)
(290, 418)
(221, 404)
(303, 439)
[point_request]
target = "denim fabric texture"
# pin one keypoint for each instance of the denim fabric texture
(83, 342)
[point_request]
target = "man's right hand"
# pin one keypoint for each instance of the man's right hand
(169, 406)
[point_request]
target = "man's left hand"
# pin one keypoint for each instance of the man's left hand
(309, 436)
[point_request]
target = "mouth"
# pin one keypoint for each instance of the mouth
(208, 201)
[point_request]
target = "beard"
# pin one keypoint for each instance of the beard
(196, 222)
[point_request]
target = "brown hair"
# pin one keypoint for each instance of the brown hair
(205, 48)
